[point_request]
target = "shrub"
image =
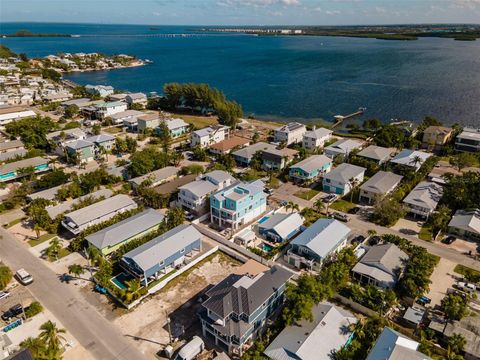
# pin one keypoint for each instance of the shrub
(34, 309)
(5, 276)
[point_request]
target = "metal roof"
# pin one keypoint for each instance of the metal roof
(407, 156)
(55, 210)
(318, 133)
(377, 153)
(12, 154)
(157, 175)
(466, 220)
(313, 340)
(312, 163)
(392, 345)
(282, 224)
(381, 182)
(292, 126)
(101, 138)
(79, 144)
(344, 146)
(199, 187)
(124, 230)
(12, 144)
(108, 206)
(14, 166)
(323, 236)
(153, 252)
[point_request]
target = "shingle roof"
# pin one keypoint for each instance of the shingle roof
(283, 224)
(229, 143)
(377, 153)
(173, 124)
(344, 146)
(12, 144)
(382, 262)
(344, 172)
(312, 163)
(466, 220)
(392, 345)
(425, 194)
(323, 236)
(153, 252)
(249, 151)
(79, 144)
(219, 176)
(313, 340)
(199, 187)
(14, 166)
(242, 294)
(12, 154)
(381, 182)
(101, 208)
(124, 230)
(98, 139)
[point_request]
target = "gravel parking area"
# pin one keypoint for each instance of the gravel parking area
(179, 299)
(443, 277)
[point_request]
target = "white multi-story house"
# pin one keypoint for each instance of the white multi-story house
(342, 148)
(209, 136)
(194, 196)
(106, 109)
(101, 90)
(290, 133)
(316, 138)
(423, 199)
(136, 98)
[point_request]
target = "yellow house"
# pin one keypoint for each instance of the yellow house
(434, 137)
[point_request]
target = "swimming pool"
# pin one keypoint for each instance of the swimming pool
(266, 247)
(263, 219)
(121, 279)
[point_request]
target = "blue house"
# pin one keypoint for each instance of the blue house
(238, 307)
(238, 204)
(311, 168)
(13, 170)
(317, 243)
(281, 227)
(163, 253)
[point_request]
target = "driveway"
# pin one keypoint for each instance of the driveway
(286, 192)
(102, 339)
(443, 277)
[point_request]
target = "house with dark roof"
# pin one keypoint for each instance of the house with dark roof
(281, 227)
(162, 254)
(317, 243)
(314, 340)
(113, 237)
(378, 186)
(237, 308)
(381, 266)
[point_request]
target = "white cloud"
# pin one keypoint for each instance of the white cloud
(466, 4)
(257, 3)
(332, 12)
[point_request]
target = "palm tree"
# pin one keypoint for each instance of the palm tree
(319, 205)
(416, 160)
(371, 233)
(52, 336)
(35, 345)
(457, 343)
(76, 269)
(131, 292)
(292, 206)
(53, 249)
(37, 229)
(353, 185)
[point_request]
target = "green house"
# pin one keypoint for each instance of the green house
(113, 237)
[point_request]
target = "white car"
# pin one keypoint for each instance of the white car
(4, 295)
(24, 277)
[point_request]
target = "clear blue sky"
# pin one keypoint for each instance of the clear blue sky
(242, 12)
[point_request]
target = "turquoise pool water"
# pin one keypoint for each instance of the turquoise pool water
(267, 247)
(121, 279)
(263, 219)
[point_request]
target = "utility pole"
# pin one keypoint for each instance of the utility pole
(168, 327)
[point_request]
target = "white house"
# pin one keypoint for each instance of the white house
(209, 136)
(342, 148)
(12, 113)
(101, 90)
(316, 138)
(136, 98)
(411, 158)
(423, 199)
(106, 109)
(290, 133)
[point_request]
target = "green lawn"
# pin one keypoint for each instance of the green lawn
(469, 273)
(306, 194)
(13, 222)
(342, 205)
(113, 130)
(61, 254)
(41, 239)
(425, 233)
(199, 121)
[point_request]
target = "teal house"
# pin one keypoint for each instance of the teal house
(12, 171)
(311, 168)
(177, 127)
(85, 150)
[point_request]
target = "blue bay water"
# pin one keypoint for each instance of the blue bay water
(282, 77)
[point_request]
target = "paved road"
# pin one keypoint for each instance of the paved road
(101, 338)
(361, 226)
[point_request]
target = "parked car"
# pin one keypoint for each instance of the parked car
(15, 310)
(189, 217)
(283, 203)
(374, 240)
(354, 210)
(340, 217)
(23, 277)
(190, 350)
(464, 286)
(4, 295)
(330, 198)
(449, 239)
(357, 239)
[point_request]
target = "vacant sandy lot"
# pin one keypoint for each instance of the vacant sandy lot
(179, 299)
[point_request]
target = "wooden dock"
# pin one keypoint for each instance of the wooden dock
(340, 118)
